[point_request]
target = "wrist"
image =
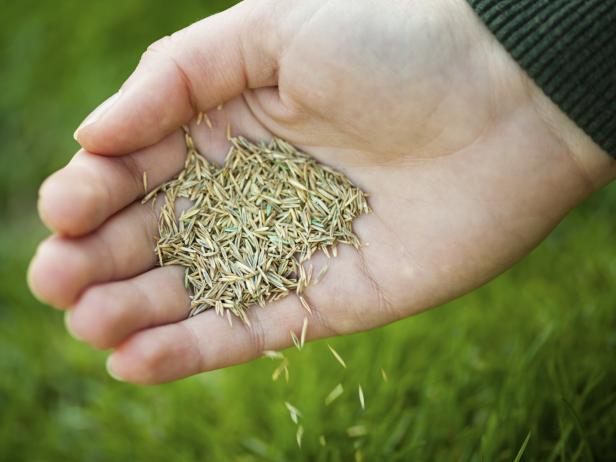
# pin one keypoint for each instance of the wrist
(596, 167)
(515, 91)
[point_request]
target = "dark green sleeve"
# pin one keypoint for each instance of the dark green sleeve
(568, 47)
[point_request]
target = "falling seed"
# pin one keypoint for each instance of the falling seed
(334, 394)
(271, 354)
(199, 118)
(357, 431)
(302, 338)
(360, 392)
(299, 435)
(384, 375)
(295, 340)
(293, 412)
(282, 368)
(145, 182)
(208, 122)
(219, 107)
(229, 132)
(337, 356)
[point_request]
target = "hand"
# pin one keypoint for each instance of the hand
(467, 164)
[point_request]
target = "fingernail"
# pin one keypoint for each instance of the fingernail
(110, 370)
(98, 112)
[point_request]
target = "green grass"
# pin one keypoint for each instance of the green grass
(532, 353)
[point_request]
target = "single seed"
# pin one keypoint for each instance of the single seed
(321, 273)
(362, 402)
(208, 122)
(357, 431)
(334, 394)
(299, 435)
(295, 340)
(293, 412)
(337, 356)
(384, 375)
(271, 354)
(282, 367)
(302, 338)
(305, 304)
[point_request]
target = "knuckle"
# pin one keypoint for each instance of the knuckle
(151, 359)
(162, 45)
(257, 335)
(134, 171)
(92, 320)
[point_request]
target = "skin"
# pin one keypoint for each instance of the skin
(468, 166)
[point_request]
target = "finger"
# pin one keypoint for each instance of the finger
(193, 70)
(123, 247)
(91, 188)
(207, 341)
(108, 313)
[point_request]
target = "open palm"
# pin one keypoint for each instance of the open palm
(414, 101)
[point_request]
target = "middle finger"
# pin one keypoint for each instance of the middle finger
(122, 247)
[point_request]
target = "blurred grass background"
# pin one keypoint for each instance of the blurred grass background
(533, 352)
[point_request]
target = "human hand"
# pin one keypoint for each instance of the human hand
(467, 164)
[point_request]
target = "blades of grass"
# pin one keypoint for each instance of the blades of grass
(580, 429)
(518, 457)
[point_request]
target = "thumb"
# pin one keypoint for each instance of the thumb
(192, 70)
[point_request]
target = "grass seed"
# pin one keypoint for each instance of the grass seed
(334, 394)
(337, 356)
(253, 223)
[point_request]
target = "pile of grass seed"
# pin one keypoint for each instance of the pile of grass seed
(253, 223)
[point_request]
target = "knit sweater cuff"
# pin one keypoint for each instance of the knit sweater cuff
(568, 47)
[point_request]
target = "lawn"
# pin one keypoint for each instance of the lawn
(530, 356)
